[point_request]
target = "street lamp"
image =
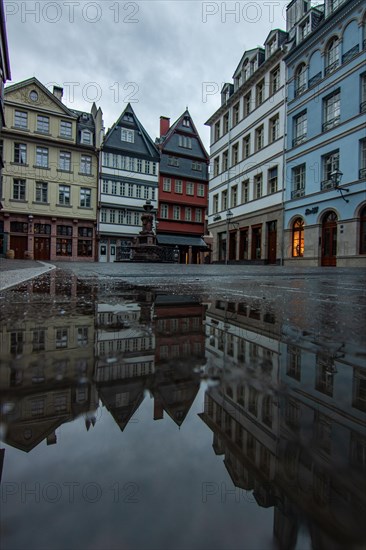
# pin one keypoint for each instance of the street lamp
(336, 177)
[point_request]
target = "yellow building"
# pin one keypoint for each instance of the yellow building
(50, 176)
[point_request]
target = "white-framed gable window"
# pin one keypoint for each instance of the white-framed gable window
(86, 137)
(127, 135)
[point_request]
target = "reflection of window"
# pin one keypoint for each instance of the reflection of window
(323, 431)
(359, 390)
(38, 340)
(253, 401)
(324, 375)
(358, 451)
(61, 338)
(267, 411)
(82, 336)
(292, 414)
(16, 342)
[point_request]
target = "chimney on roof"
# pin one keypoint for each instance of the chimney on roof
(58, 92)
(164, 125)
(158, 409)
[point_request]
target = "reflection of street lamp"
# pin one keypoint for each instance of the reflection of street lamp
(176, 253)
(336, 177)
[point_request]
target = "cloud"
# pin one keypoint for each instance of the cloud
(156, 54)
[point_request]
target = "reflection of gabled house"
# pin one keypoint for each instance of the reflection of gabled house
(122, 399)
(174, 390)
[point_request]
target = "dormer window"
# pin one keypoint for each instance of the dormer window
(272, 46)
(305, 28)
(127, 135)
(86, 137)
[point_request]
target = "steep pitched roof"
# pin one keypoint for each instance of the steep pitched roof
(178, 125)
(143, 143)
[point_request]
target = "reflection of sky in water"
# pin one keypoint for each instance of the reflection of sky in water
(275, 445)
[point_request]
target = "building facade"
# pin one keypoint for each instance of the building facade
(325, 202)
(50, 175)
(247, 141)
(4, 76)
(183, 189)
(128, 178)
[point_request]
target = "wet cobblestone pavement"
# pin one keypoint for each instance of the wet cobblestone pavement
(182, 407)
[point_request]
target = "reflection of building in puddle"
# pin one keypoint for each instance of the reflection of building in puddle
(180, 353)
(125, 347)
(153, 344)
(295, 438)
(47, 363)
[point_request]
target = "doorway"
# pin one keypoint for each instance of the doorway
(272, 242)
(329, 239)
(41, 248)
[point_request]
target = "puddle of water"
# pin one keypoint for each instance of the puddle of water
(135, 418)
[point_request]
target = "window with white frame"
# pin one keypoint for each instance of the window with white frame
(178, 187)
(331, 110)
(225, 120)
(215, 204)
(21, 119)
(114, 188)
(167, 185)
(258, 185)
(274, 128)
(19, 186)
(146, 192)
(61, 338)
(217, 128)
(198, 215)
(112, 216)
(20, 153)
(86, 137)
(224, 200)
(233, 196)
(225, 161)
(363, 91)
(131, 164)
(300, 128)
(130, 190)
(139, 165)
(216, 166)
(105, 186)
(200, 190)
(245, 191)
(121, 215)
(43, 124)
(332, 55)
(259, 138)
(188, 213)
(259, 93)
(173, 161)
(103, 216)
(185, 142)
(300, 79)
(85, 197)
(86, 165)
(164, 211)
(65, 129)
(246, 146)
(189, 188)
(41, 191)
(64, 195)
(236, 114)
(273, 180)
(138, 191)
(65, 161)
(305, 28)
(275, 79)
(247, 104)
(122, 189)
(197, 166)
(330, 163)
(176, 212)
(42, 157)
(298, 181)
(362, 172)
(127, 135)
(235, 154)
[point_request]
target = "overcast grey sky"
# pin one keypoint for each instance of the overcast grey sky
(160, 55)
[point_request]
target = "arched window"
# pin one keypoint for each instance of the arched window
(363, 231)
(332, 55)
(298, 238)
(300, 79)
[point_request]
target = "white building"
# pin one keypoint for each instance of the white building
(246, 154)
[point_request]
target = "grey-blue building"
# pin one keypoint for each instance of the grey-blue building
(325, 198)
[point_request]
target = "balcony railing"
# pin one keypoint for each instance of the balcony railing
(300, 90)
(331, 123)
(362, 173)
(298, 140)
(350, 54)
(327, 184)
(297, 193)
(332, 67)
(315, 79)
